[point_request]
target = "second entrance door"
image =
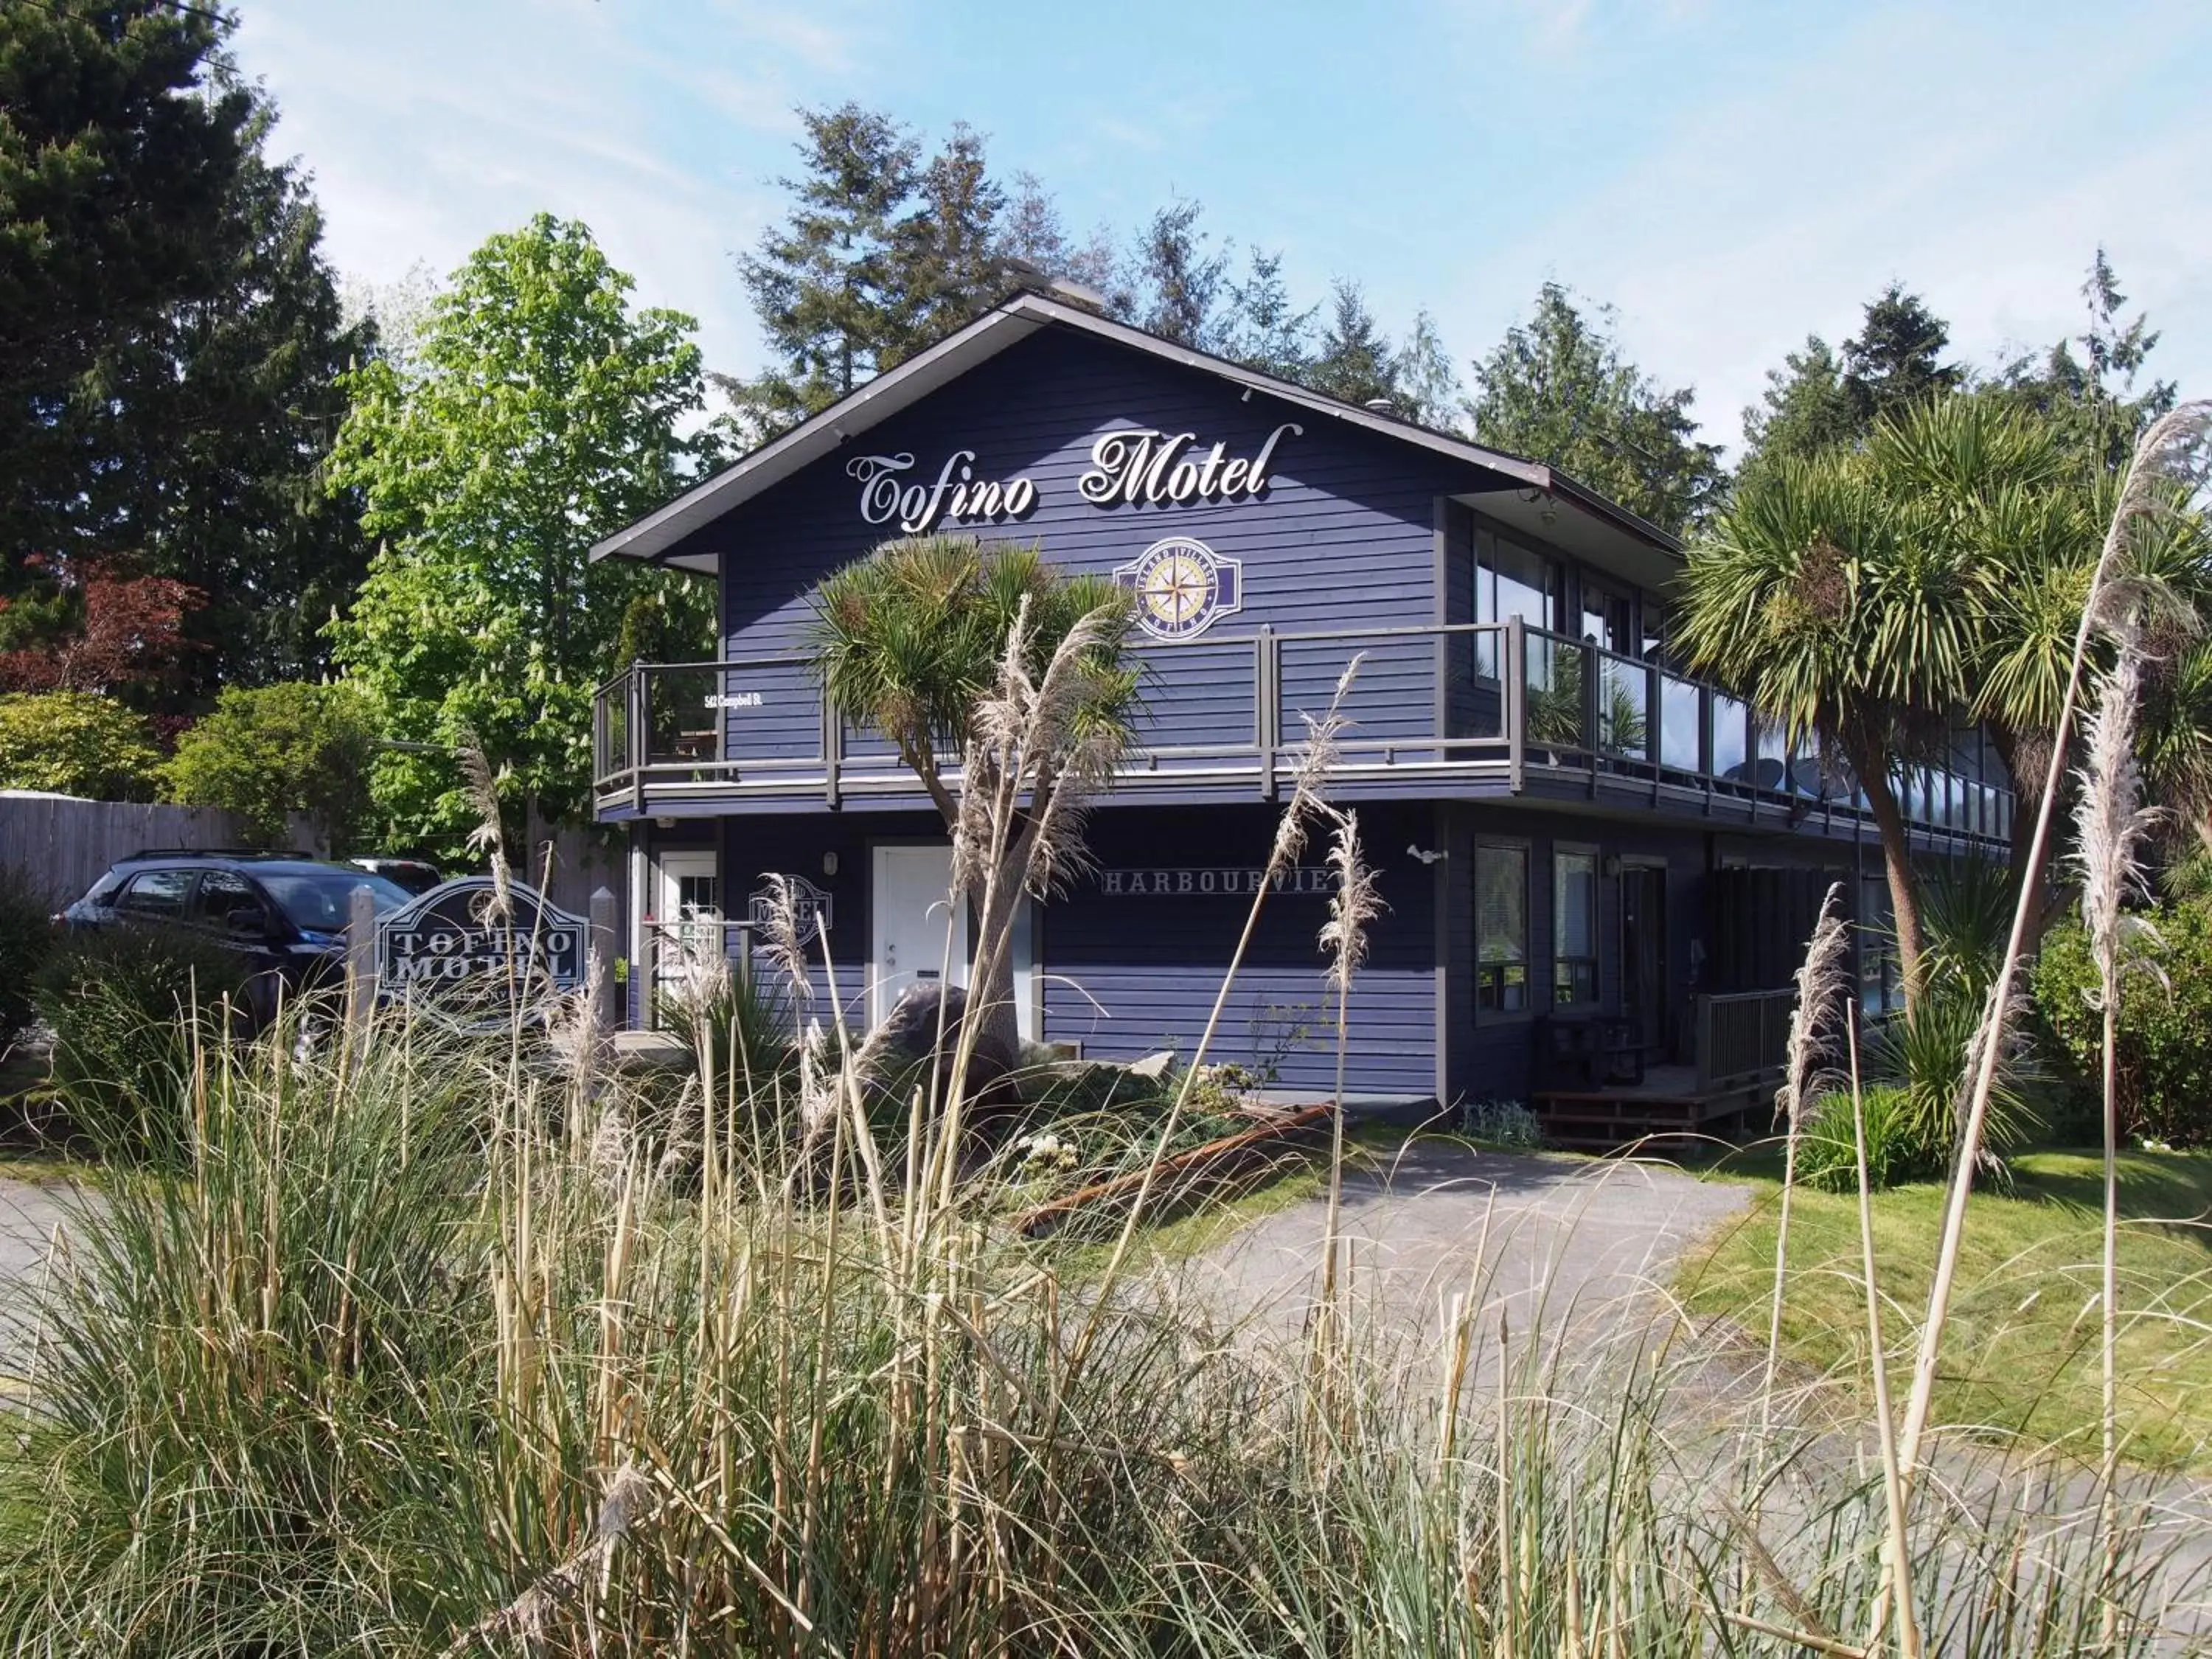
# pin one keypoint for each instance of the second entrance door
(913, 911)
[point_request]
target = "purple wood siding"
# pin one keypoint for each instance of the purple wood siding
(1156, 963)
(1344, 537)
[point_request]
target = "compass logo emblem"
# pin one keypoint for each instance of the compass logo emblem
(1182, 586)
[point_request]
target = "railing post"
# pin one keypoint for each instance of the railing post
(1516, 699)
(640, 742)
(360, 957)
(1267, 716)
(832, 746)
(604, 1017)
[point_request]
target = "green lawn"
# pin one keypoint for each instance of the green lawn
(2022, 1352)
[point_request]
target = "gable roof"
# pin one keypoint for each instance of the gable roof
(1527, 493)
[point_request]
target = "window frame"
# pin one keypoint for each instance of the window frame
(1592, 963)
(1485, 1012)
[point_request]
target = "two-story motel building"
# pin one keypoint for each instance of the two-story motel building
(1571, 836)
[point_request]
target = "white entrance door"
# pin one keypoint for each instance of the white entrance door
(687, 915)
(912, 915)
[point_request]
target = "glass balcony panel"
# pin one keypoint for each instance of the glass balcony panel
(1678, 723)
(1770, 761)
(681, 720)
(1731, 739)
(1554, 691)
(1624, 707)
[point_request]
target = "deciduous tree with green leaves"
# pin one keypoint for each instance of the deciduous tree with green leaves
(75, 742)
(541, 412)
(267, 752)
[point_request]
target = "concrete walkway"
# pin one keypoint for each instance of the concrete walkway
(29, 1214)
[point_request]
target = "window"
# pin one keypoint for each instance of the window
(1501, 928)
(1881, 990)
(321, 901)
(156, 893)
(1510, 581)
(222, 894)
(1574, 929)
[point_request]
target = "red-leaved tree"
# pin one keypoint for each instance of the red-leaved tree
(92, 625)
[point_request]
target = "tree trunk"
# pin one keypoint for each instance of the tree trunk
(991, 996)
(2027, 771)
(1870, 764)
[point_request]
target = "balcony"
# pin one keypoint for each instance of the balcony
(1446, 711)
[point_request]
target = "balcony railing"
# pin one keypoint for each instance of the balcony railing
(1439, 702)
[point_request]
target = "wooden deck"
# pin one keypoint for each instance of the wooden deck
(1671, 1110)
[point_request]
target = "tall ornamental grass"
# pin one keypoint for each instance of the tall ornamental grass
(403, 1362)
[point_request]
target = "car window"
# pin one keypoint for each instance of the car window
(156, 893)
(318, 902)
(221, 893)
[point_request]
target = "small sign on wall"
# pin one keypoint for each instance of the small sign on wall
(809, 905)
(1182, 587)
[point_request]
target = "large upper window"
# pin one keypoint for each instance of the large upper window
(1501, 928)
(1574, 929)
(1510, 581)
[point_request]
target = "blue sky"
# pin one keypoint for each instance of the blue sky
(1729, 176)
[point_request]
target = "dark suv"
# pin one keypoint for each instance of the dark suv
(286, 913)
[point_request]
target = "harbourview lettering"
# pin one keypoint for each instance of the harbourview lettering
(1185, 882)
(956, 496)
(1150, 465)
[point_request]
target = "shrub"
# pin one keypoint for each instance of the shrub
(26, 934)
(2164, 1061)
(1898, 1146)
(1501, 1122)
(75, 742)
(129, 1006)
(274, 750)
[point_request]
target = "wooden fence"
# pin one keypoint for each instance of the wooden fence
(63, 844)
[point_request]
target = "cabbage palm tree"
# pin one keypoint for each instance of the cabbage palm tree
(1839, 601)
(912, 642)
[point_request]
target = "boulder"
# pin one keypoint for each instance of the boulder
(899, 1053)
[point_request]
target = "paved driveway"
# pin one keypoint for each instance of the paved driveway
(1545, 1243)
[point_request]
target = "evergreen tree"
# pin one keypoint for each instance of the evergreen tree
(1895, 362)
(882, 255)
(2092, 397)
(1031, 230)
(1179, 278)
(1355, 362)
(221, 415)
(117, 156)
(170, 335)
(1806, 409)
(949, 245)
(1559, 390)
(830, 285)
(1428, 384)
(1263, 329)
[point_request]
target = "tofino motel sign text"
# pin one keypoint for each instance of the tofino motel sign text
(1182, 586)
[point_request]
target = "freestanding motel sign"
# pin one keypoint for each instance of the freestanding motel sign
(448, 954)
